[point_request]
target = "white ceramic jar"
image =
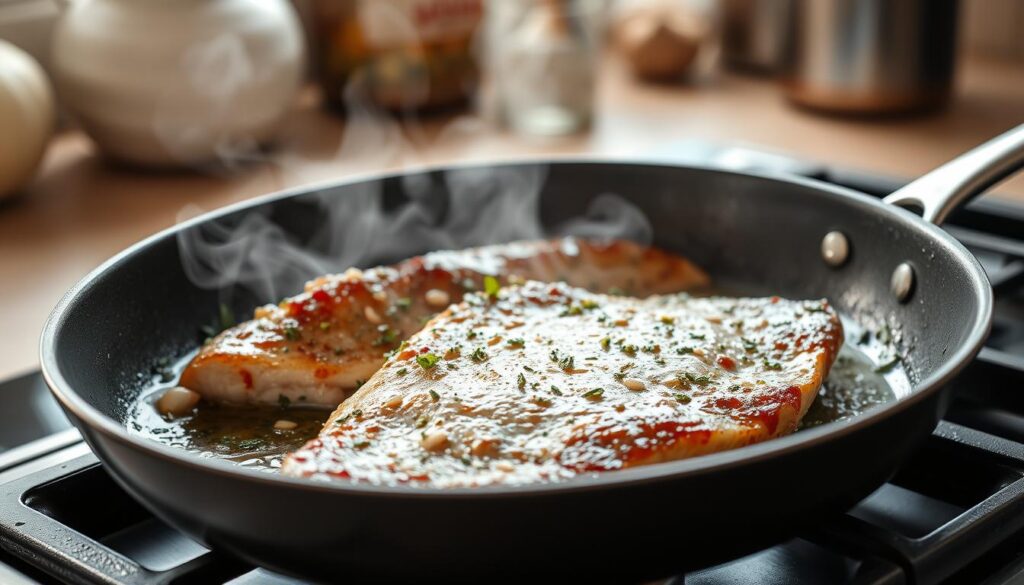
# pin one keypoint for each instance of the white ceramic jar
(171, 82)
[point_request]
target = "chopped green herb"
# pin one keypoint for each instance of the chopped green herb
(387, 336)
(516, 342)
(864, 337)
(594, 394)
(283, 401)
(427, 360)
(696, 336)
(529, 369)
(227, 317)
(748, 344)
(772, 365)
(478, 355)
(521, 381)
(403, 303)
(684, 350)
(422, 421)
(555, 390)
(491, 286)
(589, 304)
(540, 400)
(567, 363)
(403, 371)
(699, 380)
(292, 333)
(434, 395)
(359, 383)
(668, 320)
(682, 398)
(629, 350)
(606, 343)
(572, 311)
(471, 334)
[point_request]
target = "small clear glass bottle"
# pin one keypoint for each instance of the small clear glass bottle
(543, 60)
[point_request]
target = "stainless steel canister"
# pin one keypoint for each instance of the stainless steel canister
(871, 56)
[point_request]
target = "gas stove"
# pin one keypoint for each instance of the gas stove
(954, 513)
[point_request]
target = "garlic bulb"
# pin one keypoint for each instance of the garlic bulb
(27, 116)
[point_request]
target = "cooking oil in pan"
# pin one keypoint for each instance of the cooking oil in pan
(247, 435)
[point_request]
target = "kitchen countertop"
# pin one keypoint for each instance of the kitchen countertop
(81, 209)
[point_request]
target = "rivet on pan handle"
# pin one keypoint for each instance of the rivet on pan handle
(946, 188)
(835, 249)
(902, 282)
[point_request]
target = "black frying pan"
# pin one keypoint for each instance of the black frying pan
(753, 233)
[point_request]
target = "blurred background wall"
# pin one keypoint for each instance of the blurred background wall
(989, 27)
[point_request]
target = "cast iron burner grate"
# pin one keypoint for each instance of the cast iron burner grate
(953, 514)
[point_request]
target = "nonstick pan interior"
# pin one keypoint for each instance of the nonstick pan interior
(754, 234)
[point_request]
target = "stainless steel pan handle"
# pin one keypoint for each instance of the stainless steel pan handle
(943, 190)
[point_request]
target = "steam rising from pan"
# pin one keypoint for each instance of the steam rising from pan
(480, 207)
(475, 207)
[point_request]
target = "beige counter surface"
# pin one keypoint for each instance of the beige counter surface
(81, 210)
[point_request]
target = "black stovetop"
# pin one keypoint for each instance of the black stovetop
(953, 514)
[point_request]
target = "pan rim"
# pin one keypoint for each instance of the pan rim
(97, 421)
